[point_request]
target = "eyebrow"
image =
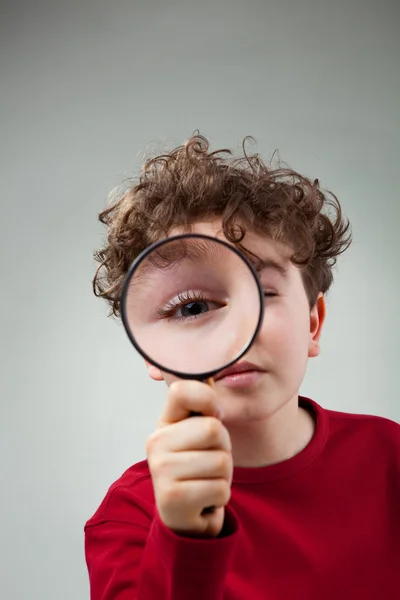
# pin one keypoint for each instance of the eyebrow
(197, 250)
(269, 263)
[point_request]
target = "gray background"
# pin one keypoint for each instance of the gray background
(85, 87)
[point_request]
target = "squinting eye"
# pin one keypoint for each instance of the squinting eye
(271, 294)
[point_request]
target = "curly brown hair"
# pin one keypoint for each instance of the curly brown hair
(190, 183)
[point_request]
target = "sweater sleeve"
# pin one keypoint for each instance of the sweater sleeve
(142, 559)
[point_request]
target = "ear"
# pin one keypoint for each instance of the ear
(317, 318)
(154, 372)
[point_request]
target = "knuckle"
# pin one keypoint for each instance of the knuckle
(158, 464)
(230, 472)
(206, 402)
(152, 441)
(177, 388)
(223, 462)
(225, 493)
(214, 428)
(149, 446)
(208, 394)
(170, 494)
(226, 437)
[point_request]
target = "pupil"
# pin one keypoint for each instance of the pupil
(192, 309)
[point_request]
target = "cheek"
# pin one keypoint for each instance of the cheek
(285, 332)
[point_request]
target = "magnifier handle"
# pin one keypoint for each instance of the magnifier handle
(209, 509)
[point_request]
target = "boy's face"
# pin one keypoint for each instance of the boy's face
(289, 334)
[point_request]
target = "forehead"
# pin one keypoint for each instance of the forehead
(263, 246)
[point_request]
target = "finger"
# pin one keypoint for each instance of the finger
(189, 465)
(185, 397)
(196, 433)
(199, 493)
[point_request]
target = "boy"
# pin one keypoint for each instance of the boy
(307, 499)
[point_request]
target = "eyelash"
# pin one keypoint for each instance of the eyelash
(184, 298)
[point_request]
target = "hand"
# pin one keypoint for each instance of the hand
(190, 461)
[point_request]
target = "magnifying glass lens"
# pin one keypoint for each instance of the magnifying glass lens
(192, 304)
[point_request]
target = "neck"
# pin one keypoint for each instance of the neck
(273, 439)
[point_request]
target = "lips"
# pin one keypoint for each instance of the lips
(240, 367)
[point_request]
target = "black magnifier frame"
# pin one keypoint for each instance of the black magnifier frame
(135, 264)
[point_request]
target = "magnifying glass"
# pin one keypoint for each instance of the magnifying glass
(192, 305)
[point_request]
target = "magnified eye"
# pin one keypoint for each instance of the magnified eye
(187, 306)
(193, 309)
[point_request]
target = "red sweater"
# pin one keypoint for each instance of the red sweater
(323, 525)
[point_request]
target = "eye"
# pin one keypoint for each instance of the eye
(269, 294)
(187, 307)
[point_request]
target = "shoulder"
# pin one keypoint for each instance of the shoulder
(369, 434)
(351, 431)
(129, 499)
(365, 422)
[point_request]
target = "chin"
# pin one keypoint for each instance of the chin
(254, 404)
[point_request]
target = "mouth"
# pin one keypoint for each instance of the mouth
(241, 373)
